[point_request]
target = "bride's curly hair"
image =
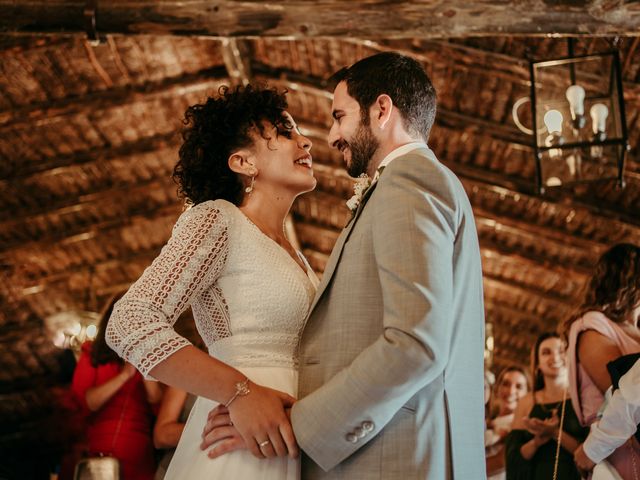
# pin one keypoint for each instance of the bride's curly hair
(614, 287)
(216, 128)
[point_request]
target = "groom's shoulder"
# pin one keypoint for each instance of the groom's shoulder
(423, 167)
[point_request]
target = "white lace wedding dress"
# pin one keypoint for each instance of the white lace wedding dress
(249, 299)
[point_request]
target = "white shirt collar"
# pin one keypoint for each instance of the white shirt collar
(398, 152)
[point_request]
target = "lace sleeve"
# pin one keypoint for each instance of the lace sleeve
(141, 327)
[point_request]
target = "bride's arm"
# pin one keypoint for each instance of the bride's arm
(141, 330)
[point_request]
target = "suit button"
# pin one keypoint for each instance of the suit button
(360, 433)
(368, 426)
(351, 438)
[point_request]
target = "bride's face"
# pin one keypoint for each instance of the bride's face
(283, 159)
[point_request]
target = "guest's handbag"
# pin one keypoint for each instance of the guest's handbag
(103, 466)
(97, 468)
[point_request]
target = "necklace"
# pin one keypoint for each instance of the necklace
(549, 407)
(559, 441)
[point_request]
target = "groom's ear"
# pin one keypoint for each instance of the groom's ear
(381, 110)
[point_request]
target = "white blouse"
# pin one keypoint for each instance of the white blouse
(248, 296)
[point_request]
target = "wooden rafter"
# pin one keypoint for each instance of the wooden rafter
(236, 60)
(426, 19)
(47, 112)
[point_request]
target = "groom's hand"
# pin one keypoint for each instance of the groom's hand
(257, 418)
(584, 463)
(220, 431)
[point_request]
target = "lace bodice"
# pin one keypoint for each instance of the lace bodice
(248, 296)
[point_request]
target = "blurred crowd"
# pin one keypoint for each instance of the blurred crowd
(572, 411)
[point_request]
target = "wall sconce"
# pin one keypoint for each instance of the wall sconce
(570, 147)
(70, 329)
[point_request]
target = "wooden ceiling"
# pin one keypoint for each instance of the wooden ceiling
(88, 138)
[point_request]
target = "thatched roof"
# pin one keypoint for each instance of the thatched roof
(88, 138)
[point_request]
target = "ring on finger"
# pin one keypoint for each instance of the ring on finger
(264, 444)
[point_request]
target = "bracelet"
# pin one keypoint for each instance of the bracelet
(242, 389)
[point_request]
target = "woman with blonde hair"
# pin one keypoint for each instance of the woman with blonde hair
(511, 386)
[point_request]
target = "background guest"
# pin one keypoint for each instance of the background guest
(172, 416)
(119, 404)
(531, 446)
(619, 422)
(511, 386)
(605, 327)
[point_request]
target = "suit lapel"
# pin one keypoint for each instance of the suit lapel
(336, 253)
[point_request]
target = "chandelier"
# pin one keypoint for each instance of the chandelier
(579, 127)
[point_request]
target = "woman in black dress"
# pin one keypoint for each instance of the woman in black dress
(531, 446)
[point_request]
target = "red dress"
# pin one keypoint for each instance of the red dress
(122, 427)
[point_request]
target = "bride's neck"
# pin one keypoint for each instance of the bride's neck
(268, 212)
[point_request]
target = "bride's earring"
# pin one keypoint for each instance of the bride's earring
(249, 189)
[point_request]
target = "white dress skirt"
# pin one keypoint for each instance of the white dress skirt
(249, 300)
(192, 463)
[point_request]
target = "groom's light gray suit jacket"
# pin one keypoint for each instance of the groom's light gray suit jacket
(391, 356)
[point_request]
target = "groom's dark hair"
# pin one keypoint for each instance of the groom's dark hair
(402, 78)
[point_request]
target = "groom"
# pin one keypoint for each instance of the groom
(391, 356)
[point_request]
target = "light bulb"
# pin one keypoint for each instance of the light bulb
(75, 328)
(59, 339)
(599, 113)
(553, 182)
(553, 121)
(92, 331)
(575, 95)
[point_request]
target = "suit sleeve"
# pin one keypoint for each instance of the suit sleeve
(413, 235)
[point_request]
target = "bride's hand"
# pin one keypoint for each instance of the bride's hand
(258, 417)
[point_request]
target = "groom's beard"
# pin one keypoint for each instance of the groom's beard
(363, 146)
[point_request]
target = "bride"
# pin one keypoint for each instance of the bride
(242, 164)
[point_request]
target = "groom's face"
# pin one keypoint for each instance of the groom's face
(351, 132)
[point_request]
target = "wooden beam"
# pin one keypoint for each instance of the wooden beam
(526, 240)
(96, 155)
(42, 284)
(559, 283)
(551, 310)
(172, 87)
(426, 18)
(82, 233)
(514, 316)
(624, 229)
(236, 60)
(76, 205)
